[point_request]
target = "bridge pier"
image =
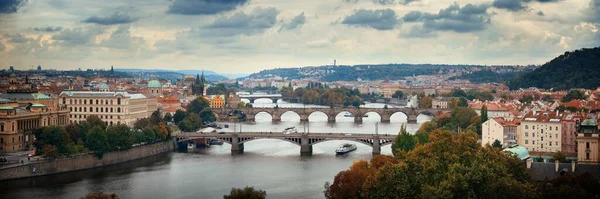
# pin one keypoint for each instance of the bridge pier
(376, 145)
(412, 119)
(251, 100)
(305, 146)
(304, 118)
(250, 117)
(385, 118)
(331, 118)
(236, 146)
(276, 118)
(358, 118)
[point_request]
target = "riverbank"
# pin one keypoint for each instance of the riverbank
(78, 163)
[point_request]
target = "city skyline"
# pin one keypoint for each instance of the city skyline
(248, 36)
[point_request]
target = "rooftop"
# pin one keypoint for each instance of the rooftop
(102, 94)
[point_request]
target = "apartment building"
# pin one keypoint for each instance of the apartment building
(541, 131)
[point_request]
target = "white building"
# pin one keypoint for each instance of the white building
(499, 129)
(412, 102)
(112, 107)
(540, 131)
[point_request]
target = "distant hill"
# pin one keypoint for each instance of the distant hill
(173, 74)
(370, 72)
(489, 76)
(577, 69)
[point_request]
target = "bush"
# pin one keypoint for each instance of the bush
(246, 193)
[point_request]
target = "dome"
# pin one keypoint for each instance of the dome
(103, 86)
(520, 151)
(154, 84)
(589, 122)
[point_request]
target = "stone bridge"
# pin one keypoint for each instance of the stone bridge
(305, 141)
(252, 97)
(384, 113)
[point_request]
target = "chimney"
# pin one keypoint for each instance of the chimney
(572, 165)
(556, 165)
(529, 163)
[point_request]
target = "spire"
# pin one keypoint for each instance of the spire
(197, 79)
(202, 80)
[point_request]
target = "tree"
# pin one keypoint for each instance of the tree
(560, 156)
(142, 123)
(179, 115)
(484, 114)
(398, 94)
(404, 141)
(55, 136)
(458, 93)
(191, 123)
(246, 193)
(100, 195)
(573, 95)
(425, 102)
(120, 137)
(156, 117)
(97, 141)
(241, 104)
(571, 185)
(451, 166)
(94, 121)
(218, 89)
(168, 117)
(497, 144)
(349, 183)
(74, 132)
(207, 115)
(50, 151)
(428, 127)
(526, 99)
(197, 105)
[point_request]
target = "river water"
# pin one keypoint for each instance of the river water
(272, 165)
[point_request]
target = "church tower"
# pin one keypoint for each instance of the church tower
(198, 88)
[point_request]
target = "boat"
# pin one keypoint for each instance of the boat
(345, 148)
(215, 141)
(348, 115)
(191, 145)
(365, 115)
(290, 130)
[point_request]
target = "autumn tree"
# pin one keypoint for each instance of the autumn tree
(246, 193)
(425, 102)
(348, 184)
(50, 151)
(100, 195)
(570, 185)
(451, 166)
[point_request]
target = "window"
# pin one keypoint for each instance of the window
(542, 131)
(587, 156)
(557, 128)
(556, 135)
(532, 134)
(526, 127)
(526, 141)
(70, 101)
(587, 145)
(549, 143)
(96, 101)
(526, 134)
(542, 146)
(84, 109)
(533, 142)
(91, 109)
(533, 127)
(2, 127)
(118, 109)
(91, 101)
(96, 109)
(556, 143)
(71, 109)
(84, 101)
(111, 109)
(119, 101)
(64, 100)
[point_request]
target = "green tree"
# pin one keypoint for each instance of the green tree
(156, 117)
(458, 93)
(497, 144)
(560, 156)
(142, 123)
(191, 123)
(398, 94)
(97, 141)
(55, 136)
(571, 185)
(94, 121)
(168, 117)
(179, 115)
(246, 193)
(484, 114)
(573, 95)
(207, 115)
(241, 105)
(404, 141)
(217, 89)
(120, 137)
(197, 105)
(74, 132)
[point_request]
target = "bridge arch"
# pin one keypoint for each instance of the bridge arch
(317, 116)
(372, 116)
(398, 116)
(295, 141)
(263, 118)
(289, 114)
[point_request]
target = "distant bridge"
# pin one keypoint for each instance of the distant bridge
(304, 140)
(384, 113)
(252, 97)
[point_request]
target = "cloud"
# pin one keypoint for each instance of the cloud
(46, 29)
(2, 47)
(418, 32)
(517, 5)
(468, 18)
(204, 7)
(122, 39)
(540, 13)
(11, 6)
(386, 2)
(295, 23)
(17, 38)
(259, 20)
(115, 18)
(592, 13)
(376, 19)
(78, 36)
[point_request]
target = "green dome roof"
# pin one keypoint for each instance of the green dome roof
(6, 108)
(154, 84)
(103, 86)
(589, 122)
(520, 151)
(38, 105)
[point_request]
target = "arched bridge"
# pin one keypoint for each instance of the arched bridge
(305, 141)
(252, 97)
(331, 113)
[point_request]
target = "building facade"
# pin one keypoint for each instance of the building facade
(112, 107)
(441, 102)
(216, 101)
(587, 141)
(499, 129)
(541, 131)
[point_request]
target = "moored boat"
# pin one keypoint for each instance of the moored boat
(345, 148)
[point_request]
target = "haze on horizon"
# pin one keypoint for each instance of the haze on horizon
(243, 36)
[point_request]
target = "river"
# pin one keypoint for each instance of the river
(272, 165)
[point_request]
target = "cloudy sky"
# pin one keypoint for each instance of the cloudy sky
(240, 36)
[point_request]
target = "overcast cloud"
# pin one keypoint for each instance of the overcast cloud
(251, 35)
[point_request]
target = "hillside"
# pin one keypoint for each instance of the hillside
(489, 76)
(577, 69)
(368, 72)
